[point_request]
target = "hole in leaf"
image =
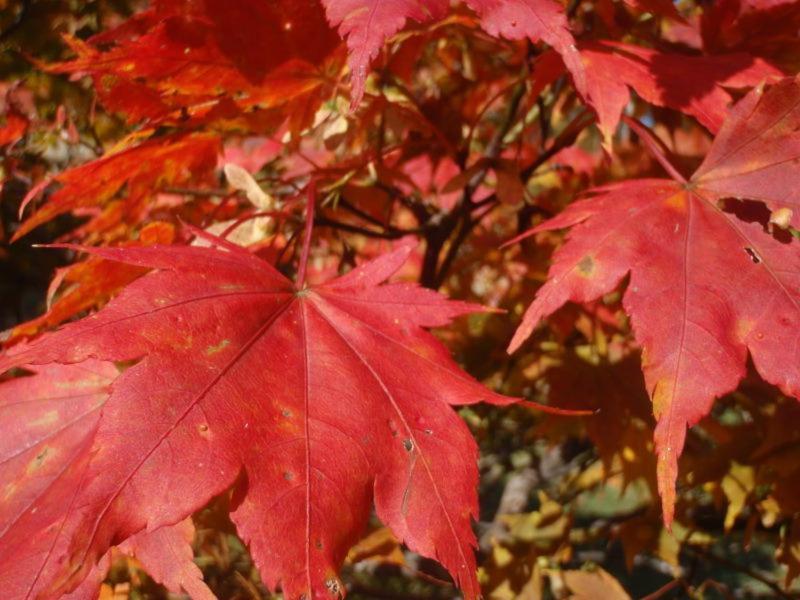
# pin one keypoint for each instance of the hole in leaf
(753, 255)
(751, 211)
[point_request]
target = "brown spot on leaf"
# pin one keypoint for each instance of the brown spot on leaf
(39, 460)
(586, 266)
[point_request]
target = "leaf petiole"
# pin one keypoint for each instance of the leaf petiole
(312, 197)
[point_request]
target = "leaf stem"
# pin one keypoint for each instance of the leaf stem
(311, 200)
(655, 147)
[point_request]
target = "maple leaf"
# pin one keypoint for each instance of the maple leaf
(84, 285)
(535, 20)
(60, 406)
(13, 127)
(187, 57)
(693, 84)
(705, 286)
(366, 24)
(142, 169)
(314, 402)
(598, 583)
(765, 29)
(166, 554)
(617, 392)
(48, 421)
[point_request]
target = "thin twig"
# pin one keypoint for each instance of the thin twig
(460, 218)
(558, 146)
(726, 562)
(665, 589)
(218, 192)
(363, 215)
(655, 147)
(311, 200)
(384, 235)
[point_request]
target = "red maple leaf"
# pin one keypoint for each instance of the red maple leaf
(165, 553)
(61, 407)
(182, 58)
(692, 84)
(705, 286)
(142, 170)
(84, 285)
(13, 127)
(313, 403)
(366, 24)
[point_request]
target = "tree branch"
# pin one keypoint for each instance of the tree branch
(730, 564)
(385, 235)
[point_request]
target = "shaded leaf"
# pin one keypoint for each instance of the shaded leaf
(692, 84)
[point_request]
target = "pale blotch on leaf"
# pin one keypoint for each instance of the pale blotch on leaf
(9, 490)
(215, 349)
(45, 419)
(676, 202)
(39, 460)
(743, 328)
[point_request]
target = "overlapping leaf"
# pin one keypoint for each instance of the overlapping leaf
(192, 56)
(84, 285)
(141, 170)
(706, 286)
(693, 84)
(166, 554)
(366, 24)
(49, 420)
(313, 402)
